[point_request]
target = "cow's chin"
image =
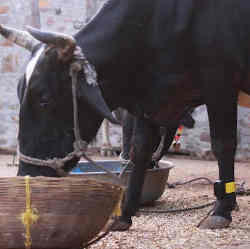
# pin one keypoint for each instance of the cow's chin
(36, 170)
(25, 169)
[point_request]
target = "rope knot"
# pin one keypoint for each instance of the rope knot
(75, 67)
(80, 62)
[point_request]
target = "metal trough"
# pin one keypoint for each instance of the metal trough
(154, 184)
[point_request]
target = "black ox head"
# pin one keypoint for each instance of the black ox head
(46, 109)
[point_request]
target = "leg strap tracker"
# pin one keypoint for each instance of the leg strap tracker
(222, 189)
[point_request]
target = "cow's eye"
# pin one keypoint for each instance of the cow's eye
(44, 101)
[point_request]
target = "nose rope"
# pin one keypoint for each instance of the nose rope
(80, 147)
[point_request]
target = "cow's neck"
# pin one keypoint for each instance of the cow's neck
(114, 42)
(117, 29)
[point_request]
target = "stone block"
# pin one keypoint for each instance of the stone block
(3, 141)
(8, 64)
(205, 137)
(61, 29)
(4, 19)
(50, 21)
(208, 155)
(244, 123)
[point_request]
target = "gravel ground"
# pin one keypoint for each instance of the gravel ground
(178, 230)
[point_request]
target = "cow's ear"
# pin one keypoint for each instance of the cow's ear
(19, 37)
(65, 44)
(93, 96)
(21, 88)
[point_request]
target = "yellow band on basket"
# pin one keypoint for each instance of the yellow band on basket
(28, 217)
(117, 210)
(230, 187)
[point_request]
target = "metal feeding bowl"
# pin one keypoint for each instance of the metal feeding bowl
(154, 184)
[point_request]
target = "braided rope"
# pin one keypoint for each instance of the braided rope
(54, 163)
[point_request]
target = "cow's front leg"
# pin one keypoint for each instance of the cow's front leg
(144, 140)
(128, 123)
(222, 112)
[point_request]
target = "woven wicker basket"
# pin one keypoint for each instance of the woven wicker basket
(53, 213)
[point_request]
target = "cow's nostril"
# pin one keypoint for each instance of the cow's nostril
(44, 104)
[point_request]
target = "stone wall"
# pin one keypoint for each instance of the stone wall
(12, 59)
(197, 140)
(68, 17)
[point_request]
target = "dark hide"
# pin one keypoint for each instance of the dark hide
(165, 136)
(157, 59)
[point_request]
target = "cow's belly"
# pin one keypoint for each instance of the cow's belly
(244, 99)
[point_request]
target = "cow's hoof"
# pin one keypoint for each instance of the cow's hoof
(120, 225)
(215, 222)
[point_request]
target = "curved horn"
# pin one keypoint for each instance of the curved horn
(93, 95)
(64, 43)
(21, 38)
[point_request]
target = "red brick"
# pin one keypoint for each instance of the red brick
(4, 9)
(44, 5)
(6, 43)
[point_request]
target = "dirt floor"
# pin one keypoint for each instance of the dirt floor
(178, 230)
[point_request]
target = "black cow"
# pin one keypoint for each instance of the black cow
(157, 59)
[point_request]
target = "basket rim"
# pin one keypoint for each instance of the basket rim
(76, 178)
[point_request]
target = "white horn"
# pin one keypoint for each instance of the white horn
(21, 38)
(65, 44)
